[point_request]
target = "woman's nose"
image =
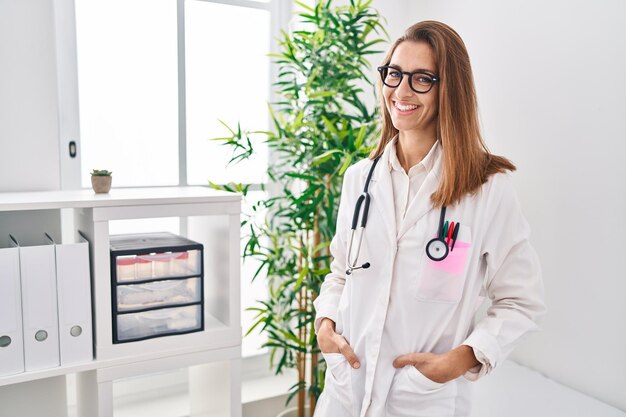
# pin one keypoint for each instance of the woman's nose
(404, 89)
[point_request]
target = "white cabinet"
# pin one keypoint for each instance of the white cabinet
(206, 216)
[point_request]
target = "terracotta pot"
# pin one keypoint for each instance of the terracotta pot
(100, 183)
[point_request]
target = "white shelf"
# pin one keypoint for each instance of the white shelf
(207, 216)
(151, 361)
(117, 197)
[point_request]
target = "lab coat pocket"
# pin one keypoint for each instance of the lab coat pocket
(414, 374)
(444, 280)
(338, 382)
(413, 394)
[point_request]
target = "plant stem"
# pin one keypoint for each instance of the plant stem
(301, 356)
(317, 238)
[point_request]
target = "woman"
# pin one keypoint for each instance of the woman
(395, 317)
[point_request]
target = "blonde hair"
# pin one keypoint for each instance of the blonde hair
(467, 163)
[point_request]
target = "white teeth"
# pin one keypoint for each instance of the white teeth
(404, 108)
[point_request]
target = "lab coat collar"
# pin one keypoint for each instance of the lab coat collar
(394, 162)
(381, 190)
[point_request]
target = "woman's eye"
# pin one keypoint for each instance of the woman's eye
(394, 74)
(423, 80)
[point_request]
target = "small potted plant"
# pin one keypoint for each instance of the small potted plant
(101, 180)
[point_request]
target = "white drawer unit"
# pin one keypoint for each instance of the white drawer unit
(142, 302)
(131, 268)
(154, 323)
(165, 293)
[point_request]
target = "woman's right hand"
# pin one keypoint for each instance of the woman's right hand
(331, 342)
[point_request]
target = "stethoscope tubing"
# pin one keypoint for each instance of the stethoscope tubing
(362, 202)
(442, 217)
(365, 197)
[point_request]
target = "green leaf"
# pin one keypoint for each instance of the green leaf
(360, 137)
(232, 132)
(304, 6)
(255, 325)
(303, 273)
(305, 177)
(330, 126)
(320, 159)
(346, 164)
(298, 119)
(322, 94)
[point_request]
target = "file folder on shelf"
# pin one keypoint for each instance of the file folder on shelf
(39, 305)
(11, 338)
(74, 301)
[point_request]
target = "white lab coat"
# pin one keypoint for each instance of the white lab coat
(404, 302)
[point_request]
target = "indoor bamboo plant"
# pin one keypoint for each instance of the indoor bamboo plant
(322, 125)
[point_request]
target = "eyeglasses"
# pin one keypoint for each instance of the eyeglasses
(421, 82)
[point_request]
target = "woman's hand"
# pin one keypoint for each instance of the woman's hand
(331, 342)
(443, 367)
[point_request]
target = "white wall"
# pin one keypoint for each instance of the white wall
(29, 148)
(395, 14)
(551, 84)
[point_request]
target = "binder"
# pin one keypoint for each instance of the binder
(74, 301)
(11, 338)
(39, 305)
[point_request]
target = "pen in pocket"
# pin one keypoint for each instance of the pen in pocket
(455, 234)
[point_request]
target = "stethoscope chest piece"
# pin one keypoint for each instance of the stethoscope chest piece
(437, 249)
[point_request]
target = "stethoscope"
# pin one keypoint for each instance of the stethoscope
(437, 248)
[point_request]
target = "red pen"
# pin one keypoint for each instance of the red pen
(454, 236)
(450, 232)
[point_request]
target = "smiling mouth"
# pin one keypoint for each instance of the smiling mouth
(404, 107)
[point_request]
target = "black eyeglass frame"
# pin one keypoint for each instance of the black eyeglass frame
(382, 68)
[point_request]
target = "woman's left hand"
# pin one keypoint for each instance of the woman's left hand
(440, 368)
